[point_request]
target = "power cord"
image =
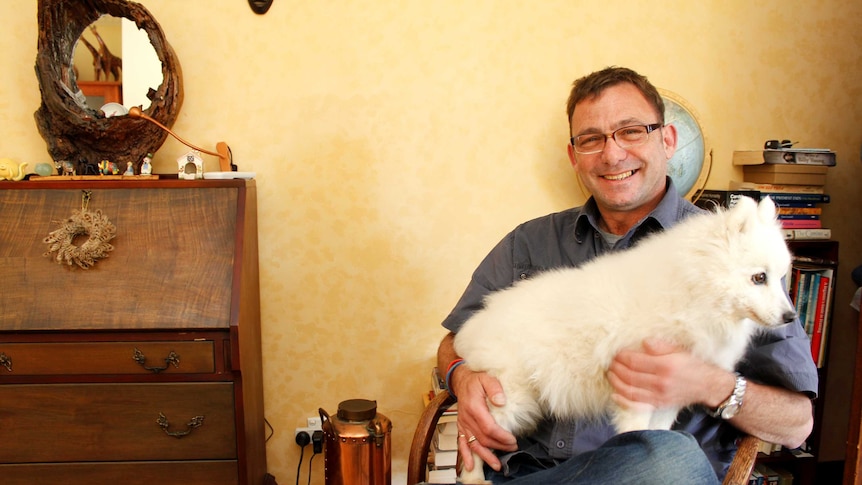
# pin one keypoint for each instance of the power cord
(309, 467)
(302, 439)
(271, 430)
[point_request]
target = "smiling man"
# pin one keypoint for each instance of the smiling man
(620, 147)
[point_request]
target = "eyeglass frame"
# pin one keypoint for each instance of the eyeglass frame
(649, 129)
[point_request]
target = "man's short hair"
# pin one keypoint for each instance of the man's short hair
(595, 83)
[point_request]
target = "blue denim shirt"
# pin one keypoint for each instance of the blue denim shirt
(569, 238)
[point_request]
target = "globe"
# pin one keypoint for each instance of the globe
(689, 166)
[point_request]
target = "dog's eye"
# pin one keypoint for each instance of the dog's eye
(759, 279)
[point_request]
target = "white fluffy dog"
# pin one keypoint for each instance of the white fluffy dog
(703, 284)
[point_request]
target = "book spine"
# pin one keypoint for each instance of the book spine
(811, 305)
(789, 211)
(801, 299)
(795, 205)
(779, 188)
(801, 224)
(827, 316)
(822, 233)
(819, 313)
(710, 199)
(799, 157)
(798, 217)
(795, 274)
(787, 197)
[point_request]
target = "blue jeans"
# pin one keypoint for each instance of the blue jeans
(638, 457)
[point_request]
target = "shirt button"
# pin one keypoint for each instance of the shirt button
(523, 276)
(561, 444)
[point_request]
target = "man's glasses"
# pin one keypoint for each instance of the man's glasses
(625, 137)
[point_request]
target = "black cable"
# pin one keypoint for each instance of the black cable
(302, 439)
(299, 465)
(271, 430)
(309, 467)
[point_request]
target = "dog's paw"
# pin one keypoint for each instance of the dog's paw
(476, 476)
(472, 479)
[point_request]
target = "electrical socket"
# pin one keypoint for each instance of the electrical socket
(312, 424)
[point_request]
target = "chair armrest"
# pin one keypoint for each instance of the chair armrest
(743, 462)
(418, 460)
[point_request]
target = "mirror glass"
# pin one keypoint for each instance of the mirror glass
(114, 62)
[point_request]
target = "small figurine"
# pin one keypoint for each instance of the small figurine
(146, 166)
(43, 169)
(107, 167)
(130, 169)
(190, 166)
(65, 167)
(11, 170)
(86, 167)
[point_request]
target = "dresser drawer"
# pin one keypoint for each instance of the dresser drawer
(100, 358)
(117, 422)
(129, 473)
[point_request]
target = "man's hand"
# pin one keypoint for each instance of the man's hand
(661, 374)
(477, 431)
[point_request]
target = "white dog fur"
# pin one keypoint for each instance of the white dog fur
(703, 284)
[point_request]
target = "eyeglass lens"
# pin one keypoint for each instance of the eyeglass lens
(625, 137)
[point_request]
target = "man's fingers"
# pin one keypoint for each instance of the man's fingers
(469, 444)
(630, 405)
(466, 452)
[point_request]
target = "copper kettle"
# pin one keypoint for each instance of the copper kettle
(357, 445)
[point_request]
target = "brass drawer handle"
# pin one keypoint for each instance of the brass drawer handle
(196, 422)
(6, 361)
(171, 359)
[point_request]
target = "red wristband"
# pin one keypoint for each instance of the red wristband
(452, 366)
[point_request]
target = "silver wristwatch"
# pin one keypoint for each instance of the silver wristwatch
(731, 406)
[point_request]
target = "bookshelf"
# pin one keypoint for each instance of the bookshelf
(817, 256)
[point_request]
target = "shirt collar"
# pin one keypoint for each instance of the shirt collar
(665, 215)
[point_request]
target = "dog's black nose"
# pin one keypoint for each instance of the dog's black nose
(789, 316)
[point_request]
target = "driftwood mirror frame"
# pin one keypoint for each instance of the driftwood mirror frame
(75, 132)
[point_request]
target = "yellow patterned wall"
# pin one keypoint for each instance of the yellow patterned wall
(396, 141)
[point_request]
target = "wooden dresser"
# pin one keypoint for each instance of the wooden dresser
(146, 367)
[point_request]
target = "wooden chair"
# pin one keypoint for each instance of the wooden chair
(417, 463)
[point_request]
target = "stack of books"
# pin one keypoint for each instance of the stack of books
(799, 212)
(795, 180)
(769, 475)
(443, 458)
(810, 288)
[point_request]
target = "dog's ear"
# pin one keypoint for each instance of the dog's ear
(743, 212)
(766, 210)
